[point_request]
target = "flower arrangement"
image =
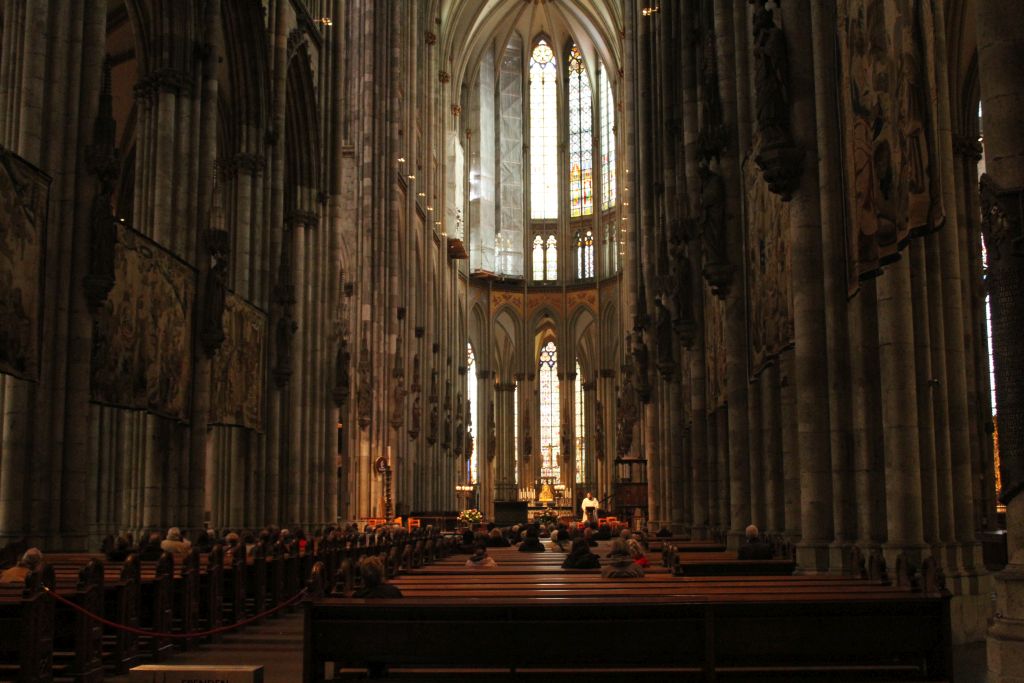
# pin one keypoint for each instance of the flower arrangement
(471, 516)
(548, 517)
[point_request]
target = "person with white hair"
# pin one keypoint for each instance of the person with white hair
(754, 549)
(28, 563)
(175, 544)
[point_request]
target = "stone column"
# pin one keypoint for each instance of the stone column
(504, 407)
(899, 413)
(771, 430)
(790, 457)
(811, 349)
(1000, 30)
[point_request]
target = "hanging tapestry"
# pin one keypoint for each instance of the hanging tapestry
(24, 196)
(769, 264)
(238, 368)
(714, 349)
(142, 334)
(888, 147)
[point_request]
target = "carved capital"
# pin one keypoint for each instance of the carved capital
(444, 76)
(430, 38)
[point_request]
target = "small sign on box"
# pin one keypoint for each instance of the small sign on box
(160, 673)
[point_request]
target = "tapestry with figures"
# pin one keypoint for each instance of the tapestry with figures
(714, 350)
(888, 143)
(142, 334)
(24, 194)
(238, 370)
(768, 267)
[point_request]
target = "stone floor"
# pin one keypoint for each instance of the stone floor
(277, 645)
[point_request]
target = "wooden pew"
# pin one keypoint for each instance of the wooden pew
(27, 624)
(729, 565)
(816, 625)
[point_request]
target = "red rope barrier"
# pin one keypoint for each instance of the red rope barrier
(182, 636)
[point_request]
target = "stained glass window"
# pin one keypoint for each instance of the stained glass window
(543, 132)
(551, 259)
(581, 429)
(549, 417)
(607, 135)
(538, 258)
(581, 143)
(472, 472)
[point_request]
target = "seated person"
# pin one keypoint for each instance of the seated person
(588, 536)
(496, 540)
(28, 563)
(232, 544)
(636, 551)
(754, 549)
(558, 540)
(149, 550)
(175, 544)
(580, 556)
(622, 565)
(480, 559)
(531, 542)
(375, 585)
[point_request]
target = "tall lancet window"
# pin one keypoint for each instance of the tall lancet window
(581, 143)
(581, 429)
(584, 254)
(472, 471)
(607, 104)
(515, 433)
(538, 258)
(549, 417)
(551, 259)
(543, 132)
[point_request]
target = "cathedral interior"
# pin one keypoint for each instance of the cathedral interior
(718, 262)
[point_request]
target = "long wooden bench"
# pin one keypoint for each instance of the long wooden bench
(817, 625)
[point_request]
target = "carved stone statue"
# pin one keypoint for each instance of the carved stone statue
(414, 386)
(364, 390)
(342, 381)
(779, 159)
(211, 332)
(284, 331)
(772, 71)
(567, 449)
(527, 436)
(663, 337)
(398, 392)
(414, 418)
(460, 429)
(679, 288)
(717, 270)
(599, 429)
(628, 413)
(492, 434)
(432, 426)
(642, 363)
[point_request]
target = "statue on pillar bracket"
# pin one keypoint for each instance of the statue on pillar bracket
(432, 426)
(342, 361)
(492, 434)
(641, 360)
(779, 159)
(628, 413)
(211, 333)
(284, 297)
(398, 392)
(599, 429)
(364, 377)
(678, 284)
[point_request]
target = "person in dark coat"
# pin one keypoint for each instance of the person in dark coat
(531, 544)
(580, 556)
(754, 549)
